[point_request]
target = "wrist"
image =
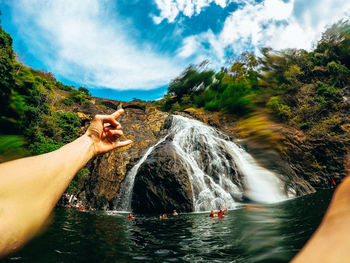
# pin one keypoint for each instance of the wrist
(90, 144)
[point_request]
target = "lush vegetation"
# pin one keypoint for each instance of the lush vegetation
(29, 120)
(300, 88)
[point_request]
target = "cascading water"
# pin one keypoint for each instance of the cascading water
(221, 173)
(215, 163)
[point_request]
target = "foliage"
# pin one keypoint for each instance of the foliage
(64, 87)
(78, 179)
(137, 100)
(278, 108)
(191, 81)
(299, 87)
(67, 101)
(27, 106)
(12, 147)
(84, 90)
(78, 96)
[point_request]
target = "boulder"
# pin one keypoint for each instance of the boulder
(162, 183)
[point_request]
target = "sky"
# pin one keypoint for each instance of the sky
(125, 49)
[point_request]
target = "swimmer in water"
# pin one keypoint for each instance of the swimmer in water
(130, 216)
(213, 214)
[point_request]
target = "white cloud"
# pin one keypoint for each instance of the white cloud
(83, 44)
(170, 9)
(190, 47)
(274, 23)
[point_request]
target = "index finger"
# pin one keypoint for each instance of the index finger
(116, 114)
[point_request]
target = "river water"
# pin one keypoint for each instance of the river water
(267, 233)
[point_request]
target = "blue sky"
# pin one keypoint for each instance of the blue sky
(122, 49)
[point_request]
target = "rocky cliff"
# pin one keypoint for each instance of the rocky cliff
(306, 164)
(142, 124)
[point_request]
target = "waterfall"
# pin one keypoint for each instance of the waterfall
(221, 173)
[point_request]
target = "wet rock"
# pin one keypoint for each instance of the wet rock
(162, 183)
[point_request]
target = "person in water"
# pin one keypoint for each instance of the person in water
(175, 213)
(131, 216)
(30, 188)
(213, 214)
(221, 213)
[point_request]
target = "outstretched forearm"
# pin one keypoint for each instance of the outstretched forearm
(331, 241)
(30, 188)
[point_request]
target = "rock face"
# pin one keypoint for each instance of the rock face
(141, 123)
(305, 164)
(162, 183)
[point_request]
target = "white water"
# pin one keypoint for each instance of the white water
(220, 171)
(211, 162)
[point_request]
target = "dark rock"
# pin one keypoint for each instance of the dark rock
(162, 183)
(143, 125)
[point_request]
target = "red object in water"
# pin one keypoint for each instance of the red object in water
(333, 182)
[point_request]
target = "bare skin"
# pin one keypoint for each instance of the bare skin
(331, 241)
(30, 187)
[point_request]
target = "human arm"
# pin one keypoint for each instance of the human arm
(30, 187)
(331, 241)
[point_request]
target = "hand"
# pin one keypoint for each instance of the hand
(105, 132)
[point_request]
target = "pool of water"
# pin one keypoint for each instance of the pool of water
(269, 233)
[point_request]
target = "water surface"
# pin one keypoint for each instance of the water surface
(269, 233)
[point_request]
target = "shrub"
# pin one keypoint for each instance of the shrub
(64, 87)
(235, 100)
(77, 180)
(44, 145)
(328, 92)
(85, 91)
(278, 108)
(67, 101)
(78, 97)
(69, 123)
(213, 105)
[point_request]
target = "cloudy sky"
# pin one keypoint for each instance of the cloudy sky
(122, 49)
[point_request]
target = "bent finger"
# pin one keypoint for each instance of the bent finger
(114, 123)
(112, 127)
(115, 132)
